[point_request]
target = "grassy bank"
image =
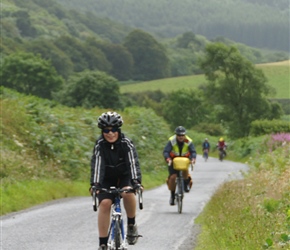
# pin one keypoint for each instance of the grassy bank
(253, 213)
(46, 149)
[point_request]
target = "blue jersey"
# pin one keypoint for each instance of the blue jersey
(205, 145)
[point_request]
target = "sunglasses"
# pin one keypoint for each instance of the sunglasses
(180, 135)
(107, 130)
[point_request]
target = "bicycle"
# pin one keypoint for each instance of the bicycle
(180, 164)
(221, 154)
(205, 154)
(116, 233)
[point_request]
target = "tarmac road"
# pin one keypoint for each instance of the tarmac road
(71, 224)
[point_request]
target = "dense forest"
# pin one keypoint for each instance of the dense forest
(74, 41)
(257, 23)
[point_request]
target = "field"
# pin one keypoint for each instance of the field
(278, 75)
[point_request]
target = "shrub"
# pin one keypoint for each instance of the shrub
(263, 127)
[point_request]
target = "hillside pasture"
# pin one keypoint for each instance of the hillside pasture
(165, 85)
(278, 76)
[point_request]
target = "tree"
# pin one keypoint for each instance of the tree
(83, 56)
(186, 39)
(49, 51)
(24, 24)
(30, 74)
(183, 107)
(237, 86)
(150, 59)
(89, 89)
(120, 58)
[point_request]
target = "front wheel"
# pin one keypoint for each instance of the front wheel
(205, 156)
(117, 235)
(221, 155)
(179, 194)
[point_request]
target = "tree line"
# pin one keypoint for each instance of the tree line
(255, 23)
(74, 41)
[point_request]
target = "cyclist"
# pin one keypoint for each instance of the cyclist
(206, 145)
(114, 163)
(178, 145)
(221, 145)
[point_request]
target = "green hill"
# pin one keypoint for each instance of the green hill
(256, 23)
(278, 75)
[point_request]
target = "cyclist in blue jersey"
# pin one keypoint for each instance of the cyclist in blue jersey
(205, 147)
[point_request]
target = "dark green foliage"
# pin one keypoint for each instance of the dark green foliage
(89, 89)
(185, 40)
(48, 51)
(24, 24)
(120, 58)
(148, 99)
(30, 74)
(107, 29)
(83, 57)
(183, 107)
(209, 129)
(150, 59)
(67, 30)
(263, 127)
(285, 104)
(255, 23)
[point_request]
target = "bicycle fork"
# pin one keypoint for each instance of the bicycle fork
(179, 186)
(117, 240)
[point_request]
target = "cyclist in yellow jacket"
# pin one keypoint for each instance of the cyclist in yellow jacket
(178, 145)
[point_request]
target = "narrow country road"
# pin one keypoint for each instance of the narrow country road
(71, 224)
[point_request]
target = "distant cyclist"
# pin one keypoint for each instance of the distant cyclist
(114, 163)
(178, 145)
(205, 146)
(222, 146)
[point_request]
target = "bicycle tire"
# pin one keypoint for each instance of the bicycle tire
(117, 235)
(179, 196)
(221, 155)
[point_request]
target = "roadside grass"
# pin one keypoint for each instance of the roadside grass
(28, 193)
(253, 213)
(278, 75)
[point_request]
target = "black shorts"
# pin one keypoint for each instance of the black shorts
(119, 183)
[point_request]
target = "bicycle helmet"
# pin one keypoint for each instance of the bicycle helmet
(221, 139)
(110, 119)
(180, 130)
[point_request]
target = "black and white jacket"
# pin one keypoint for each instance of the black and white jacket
(114, 160)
